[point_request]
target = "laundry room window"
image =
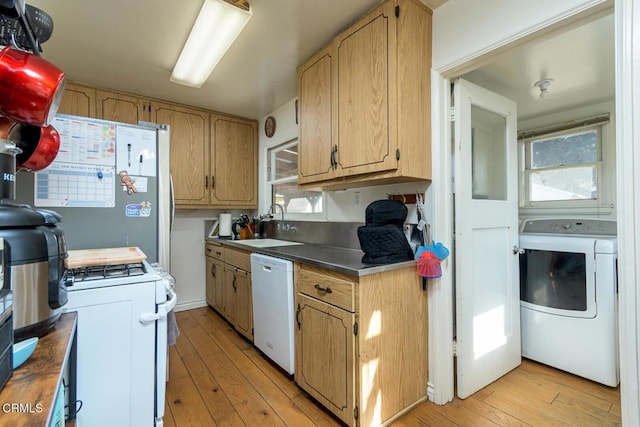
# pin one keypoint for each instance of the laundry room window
(282, 179)
(562, 168)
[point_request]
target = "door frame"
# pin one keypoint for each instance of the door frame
(441, 296)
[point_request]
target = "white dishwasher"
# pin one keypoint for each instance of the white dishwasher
(273, 322)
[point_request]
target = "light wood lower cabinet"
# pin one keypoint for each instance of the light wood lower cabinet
(215, 283)
(325, 356)
(228, 286)
(361, 342)
(244, 304)
(214, 258)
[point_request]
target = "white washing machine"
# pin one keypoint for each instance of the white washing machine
(569, 296)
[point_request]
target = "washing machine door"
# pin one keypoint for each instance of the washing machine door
(557, 275)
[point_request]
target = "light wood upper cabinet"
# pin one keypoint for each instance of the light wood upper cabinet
(78, 101)
(189, 130)
(214, 157)
(122, 108)
(234, 162)
(380, 101)
(365, 95)
(316, 106)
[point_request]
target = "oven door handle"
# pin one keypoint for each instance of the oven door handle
(163, 309)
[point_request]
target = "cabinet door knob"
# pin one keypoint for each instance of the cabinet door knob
(298, 316)
(206, 181)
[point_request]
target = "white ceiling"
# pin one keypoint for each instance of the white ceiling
(132, 46)
(581, 62)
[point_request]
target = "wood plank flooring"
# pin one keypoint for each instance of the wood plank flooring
(217, 378)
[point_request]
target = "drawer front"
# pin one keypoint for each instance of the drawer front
(240, 259)
(215, 251)
(328, 288)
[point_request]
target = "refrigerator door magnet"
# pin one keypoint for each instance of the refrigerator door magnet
(127, 182)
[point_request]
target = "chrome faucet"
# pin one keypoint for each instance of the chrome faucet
(282, 227)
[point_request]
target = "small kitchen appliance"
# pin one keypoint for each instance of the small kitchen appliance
(8, 152)
(36, 251)
(6, 334)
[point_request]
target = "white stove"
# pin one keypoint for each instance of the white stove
(122, 342)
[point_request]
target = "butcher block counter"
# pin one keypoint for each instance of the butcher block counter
(81, 258)
(29, 396)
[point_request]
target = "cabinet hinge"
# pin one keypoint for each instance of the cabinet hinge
(397, 11)
(355, 328)
(452, 114)
(355, 413)
(398, 154)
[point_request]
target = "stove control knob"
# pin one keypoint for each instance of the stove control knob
(566, 226)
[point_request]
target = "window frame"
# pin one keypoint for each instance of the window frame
(603, 199)
(270, 183)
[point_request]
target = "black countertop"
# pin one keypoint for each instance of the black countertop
(344, 260)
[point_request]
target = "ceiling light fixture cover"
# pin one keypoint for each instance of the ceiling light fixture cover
(217, 26)
(543, 85)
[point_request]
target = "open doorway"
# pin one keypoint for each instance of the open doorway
(559, 82)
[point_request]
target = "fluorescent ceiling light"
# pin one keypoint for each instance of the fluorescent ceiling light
(217, 26)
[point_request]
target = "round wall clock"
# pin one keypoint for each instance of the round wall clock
(270, 126)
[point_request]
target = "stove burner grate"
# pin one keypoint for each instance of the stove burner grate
(104, 272)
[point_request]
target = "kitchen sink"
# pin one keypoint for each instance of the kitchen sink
(266, 243)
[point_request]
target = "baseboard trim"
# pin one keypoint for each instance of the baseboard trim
(190, 305)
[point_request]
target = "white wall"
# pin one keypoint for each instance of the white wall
(463, 29)
(187, 254)
(341, 206)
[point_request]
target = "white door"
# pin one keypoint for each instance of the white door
(486, 232)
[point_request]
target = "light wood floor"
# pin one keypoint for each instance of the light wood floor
(217, 378)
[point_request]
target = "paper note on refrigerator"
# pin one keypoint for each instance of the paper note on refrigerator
(89, 143)
(136, 151)
(75, 185)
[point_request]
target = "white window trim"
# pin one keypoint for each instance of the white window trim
(602, 205)
(268, 188)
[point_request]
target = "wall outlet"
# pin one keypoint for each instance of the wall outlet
(357, 197)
